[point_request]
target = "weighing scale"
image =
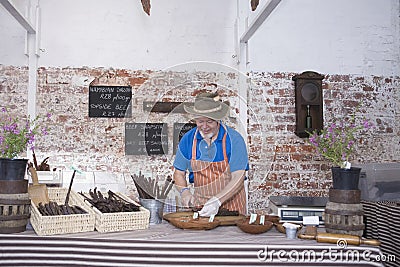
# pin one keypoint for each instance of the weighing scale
(294, 208)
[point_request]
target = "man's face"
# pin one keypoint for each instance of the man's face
(207, 127)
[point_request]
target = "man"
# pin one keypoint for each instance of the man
(215, 156)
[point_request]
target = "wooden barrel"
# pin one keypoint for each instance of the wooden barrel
(13, 186)
(14, 212)
(345, 196)
(342, 218)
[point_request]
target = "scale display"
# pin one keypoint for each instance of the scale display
(296, 215)
(294, 208)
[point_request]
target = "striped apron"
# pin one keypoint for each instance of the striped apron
(211, 177)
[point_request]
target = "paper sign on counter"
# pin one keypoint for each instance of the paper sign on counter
(311, 220)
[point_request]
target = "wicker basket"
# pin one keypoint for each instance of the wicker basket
(63, 224)
(121, 221)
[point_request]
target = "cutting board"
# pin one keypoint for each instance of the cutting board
(224, 220)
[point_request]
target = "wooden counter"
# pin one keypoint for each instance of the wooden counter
(166, 245)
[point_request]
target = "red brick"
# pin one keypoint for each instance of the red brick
(367, 88)
(123, 73)
(285, 148)
(137, 81)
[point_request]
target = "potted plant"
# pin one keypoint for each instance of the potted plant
(15, 137)
(336, 143)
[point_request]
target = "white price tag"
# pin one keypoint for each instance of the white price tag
(253, 218)
(195, 215)
(211, 218)
(262, 219)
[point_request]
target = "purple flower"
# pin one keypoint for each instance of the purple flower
(367, 124)
(44, 131)
(350, 144)
(336, 142)
(313, 141)
(16, 136)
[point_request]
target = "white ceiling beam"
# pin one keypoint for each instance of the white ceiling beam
(258, 21)
(18, 16)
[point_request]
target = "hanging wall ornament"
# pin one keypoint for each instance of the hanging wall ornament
(146, 6)
(254, 4)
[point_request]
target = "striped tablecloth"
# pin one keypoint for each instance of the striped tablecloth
(382, 221)
(165, 245)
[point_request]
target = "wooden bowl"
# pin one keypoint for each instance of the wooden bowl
(194, 224)
(224, 220)
(254, 228)
(272, 218)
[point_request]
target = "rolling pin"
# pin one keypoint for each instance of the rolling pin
(334, 238)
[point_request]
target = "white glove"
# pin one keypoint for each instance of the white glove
(187, 198)
(210, 208)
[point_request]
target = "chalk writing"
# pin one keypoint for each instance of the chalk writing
(110, 101)
(146, 138)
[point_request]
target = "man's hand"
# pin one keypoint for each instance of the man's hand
(187, 198)
(210, 208)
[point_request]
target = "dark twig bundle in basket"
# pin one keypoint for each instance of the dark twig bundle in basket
(110, 204)
(53, 209)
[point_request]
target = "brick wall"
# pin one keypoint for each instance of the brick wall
(13, 89)
(286, 164)
(281, 163)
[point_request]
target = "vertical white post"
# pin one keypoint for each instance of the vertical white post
(32, 43)
(32, 80)
(241, 61)
(243, 79)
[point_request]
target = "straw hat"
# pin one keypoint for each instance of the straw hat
(208, 105)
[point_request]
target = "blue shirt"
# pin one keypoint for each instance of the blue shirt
(235, 149)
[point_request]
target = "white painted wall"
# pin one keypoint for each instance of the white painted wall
(12, 36)
(341, 36)
(119, 34)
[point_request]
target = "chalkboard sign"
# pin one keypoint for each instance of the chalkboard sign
(146, 138)
(110, 101)
(179, 130)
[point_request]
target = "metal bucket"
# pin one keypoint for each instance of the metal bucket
(156, 207)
